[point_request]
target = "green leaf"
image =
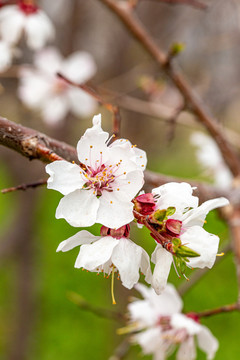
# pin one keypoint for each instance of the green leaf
(170, 210)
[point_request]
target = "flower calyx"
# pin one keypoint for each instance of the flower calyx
(122, 232)
(28, 7)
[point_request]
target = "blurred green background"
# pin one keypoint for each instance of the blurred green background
(37, 319)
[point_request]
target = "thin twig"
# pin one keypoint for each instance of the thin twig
(194, 3)
(92, 92)
(121, 351)
(24, 186)
(104, 313)
(138, 31)
(219, 310)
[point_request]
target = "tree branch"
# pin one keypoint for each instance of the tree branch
(138, 31)
(219, 310)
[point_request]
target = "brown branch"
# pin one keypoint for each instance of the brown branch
(194, 3)
(110, 107)
(32, 144)
(24, 186)
(146, 41)
(121, 351)
(219, 310)
(101, 312)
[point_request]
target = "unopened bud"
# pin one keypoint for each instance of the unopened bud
(145, 204)
(173, 227)
(185, 251)
(123, 231)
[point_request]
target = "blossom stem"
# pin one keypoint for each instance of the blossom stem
(112, 286)
(219, 310)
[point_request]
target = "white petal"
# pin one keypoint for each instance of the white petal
(187, 350)
(65, 177)
(163, 260)
(91, 256)
(138, 156)
(198, 215)
(168, 302)
(92, 145)
(5, 56)
(113, 211)
(55, 109)
(78, 208)
(81, 104)
(128, 186)
(142, 313)
(39, 30)
(204, 243)
(34, 88)
(175, 194)
(80, 238)
(122, 155)
(150, 340)
(127, 258)
(48, 60)
(12, 22)
(207, 342)
(181, 321)
(79, 67)
(145, 267)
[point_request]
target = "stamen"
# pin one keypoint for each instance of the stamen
(176, 268)
(221, 254)
(112, 286)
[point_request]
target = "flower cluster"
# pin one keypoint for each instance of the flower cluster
(103, 187)
(25, 17)
(41, 90)
(160, 327)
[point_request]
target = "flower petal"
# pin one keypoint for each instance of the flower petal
(39, 30)
(11, 23)
(55, 109)
(163, 260)
(79, 67)
(92, 145)
(78, 208)
(198, 215)
(204, 243)
(181, 321)
(127, 258)
(81, 104)
(65, 177)
(129, 186)
(207, 342)
(187, 350)
(50, 56)
(175, 194)
(150, 341)
(113, 211)
(80, 238)
(91, 256)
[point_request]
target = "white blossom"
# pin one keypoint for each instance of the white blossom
(107, 254)
(190, 217)
(161, 327)
(28, 19)
(101, 190)
(42, 90)
(7, 53)
(210, 158)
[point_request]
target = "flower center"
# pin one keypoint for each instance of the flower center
(60, 86)
(100, 176)
(28, 7)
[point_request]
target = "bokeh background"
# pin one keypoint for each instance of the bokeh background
(38, 321)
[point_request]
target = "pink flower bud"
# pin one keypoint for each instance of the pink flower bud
(123, 231)
(173, 227)
(145, 204)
